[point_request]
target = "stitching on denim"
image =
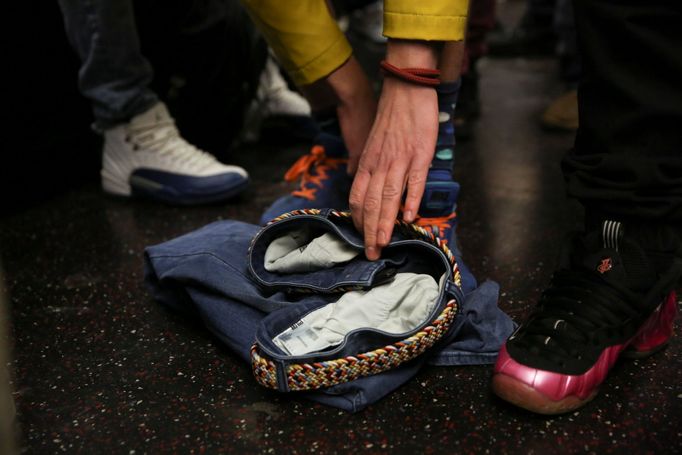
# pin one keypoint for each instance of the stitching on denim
(205, 253)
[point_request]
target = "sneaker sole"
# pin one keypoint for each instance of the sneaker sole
(526, 397)
(634, 354)
(169, 196)
(150, 190)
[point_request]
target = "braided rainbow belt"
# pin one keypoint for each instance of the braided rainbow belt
(316, 375)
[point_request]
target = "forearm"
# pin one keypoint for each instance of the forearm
(412, 54)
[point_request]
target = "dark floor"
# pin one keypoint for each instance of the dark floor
(101, 368)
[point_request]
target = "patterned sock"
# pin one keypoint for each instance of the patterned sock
(441, 191)
(447, 99)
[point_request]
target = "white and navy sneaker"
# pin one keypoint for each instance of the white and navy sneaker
(148, 158)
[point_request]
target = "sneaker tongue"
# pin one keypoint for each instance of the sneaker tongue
(440, 194)
(333, 145)
(617, 259)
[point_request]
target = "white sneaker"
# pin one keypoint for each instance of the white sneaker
(147, 157)
(274, 99)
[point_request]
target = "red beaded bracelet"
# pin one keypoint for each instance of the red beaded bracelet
(419, 76)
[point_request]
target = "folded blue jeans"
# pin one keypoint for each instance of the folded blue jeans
(206, 273)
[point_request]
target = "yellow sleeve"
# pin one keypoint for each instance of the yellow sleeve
(431, 20)
(303, 35)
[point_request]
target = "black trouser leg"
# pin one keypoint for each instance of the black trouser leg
(627, 159)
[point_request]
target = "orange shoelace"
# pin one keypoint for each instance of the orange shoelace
(303, 166)
(442, 223)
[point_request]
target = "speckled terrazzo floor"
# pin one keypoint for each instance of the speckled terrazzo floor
(100, 368)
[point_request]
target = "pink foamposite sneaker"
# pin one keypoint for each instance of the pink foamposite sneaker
(609, 298)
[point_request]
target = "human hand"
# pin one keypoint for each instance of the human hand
(397, 156)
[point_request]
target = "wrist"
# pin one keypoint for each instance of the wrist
(411, 54)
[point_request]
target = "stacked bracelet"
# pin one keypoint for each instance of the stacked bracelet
(419, 76)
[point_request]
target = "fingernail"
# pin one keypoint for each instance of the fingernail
(407, 216)
(382, 237)
(371, 253)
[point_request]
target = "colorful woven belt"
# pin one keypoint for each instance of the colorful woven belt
(316, 375)
(310, 376)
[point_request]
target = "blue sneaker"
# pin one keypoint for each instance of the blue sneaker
(438, 214)
(148, 158)
(323, 176)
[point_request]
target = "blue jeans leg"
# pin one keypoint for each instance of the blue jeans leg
(114, 75)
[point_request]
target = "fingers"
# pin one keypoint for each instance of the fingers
(396, 155)
(366, 196)
(371, 212)
(416, 181)
(375, 201)
(365, 205)
(378, 188)
(357, 197)
(390, 202)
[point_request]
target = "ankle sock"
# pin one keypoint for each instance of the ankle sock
(447, 100)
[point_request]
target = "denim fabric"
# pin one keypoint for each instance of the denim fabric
(480, 330)
(206, 272)
(359, 272)
(114, 75)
